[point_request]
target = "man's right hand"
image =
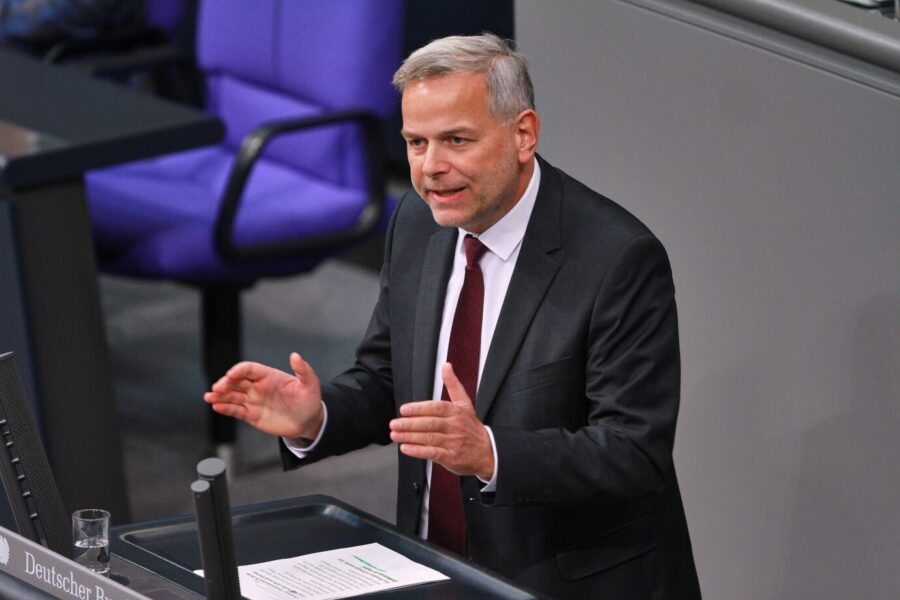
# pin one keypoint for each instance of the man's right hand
(271, 400)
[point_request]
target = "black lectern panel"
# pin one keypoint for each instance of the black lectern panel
(300, 526)
(36, 505)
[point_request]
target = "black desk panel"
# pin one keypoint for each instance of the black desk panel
(298, 526)
(56, 123)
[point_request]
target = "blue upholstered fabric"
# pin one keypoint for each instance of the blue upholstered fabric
(331, 153)
(263, 60)
(158, 218)
(165, 14)
(353, 43)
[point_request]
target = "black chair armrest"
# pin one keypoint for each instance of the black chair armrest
(251, 149)
(116, 41)
(140, 60)
(138, 50)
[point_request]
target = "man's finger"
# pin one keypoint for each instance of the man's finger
(225, 384)
(236, 411)
(427, 423)
(455, 389)
(222, 384)
(420, 438)
(246, 370)
(425, 452)
(299, 365)
(303, 370)
(432, 453)
(426, 408)
(228, 397)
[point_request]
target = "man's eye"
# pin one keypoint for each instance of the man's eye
(456, 141)
(415, 143)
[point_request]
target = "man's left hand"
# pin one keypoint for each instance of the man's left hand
(446, 432)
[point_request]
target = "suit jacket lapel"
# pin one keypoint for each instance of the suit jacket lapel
(429, 309)
(535, 270)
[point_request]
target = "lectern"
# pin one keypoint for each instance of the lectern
(297, 526)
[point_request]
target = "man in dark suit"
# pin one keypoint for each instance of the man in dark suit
(560, 472)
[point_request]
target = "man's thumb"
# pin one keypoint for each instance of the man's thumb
(455, 388)
(298, 364)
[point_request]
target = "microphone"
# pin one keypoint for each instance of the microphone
(215, 532)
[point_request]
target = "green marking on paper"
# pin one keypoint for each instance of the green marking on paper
(368, 564)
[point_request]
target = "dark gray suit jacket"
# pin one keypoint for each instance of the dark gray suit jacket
(580, 387)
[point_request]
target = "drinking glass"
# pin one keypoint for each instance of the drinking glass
(90, 533)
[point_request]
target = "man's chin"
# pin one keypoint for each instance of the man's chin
(446, 217)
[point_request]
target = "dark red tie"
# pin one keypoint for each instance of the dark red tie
(446, 522)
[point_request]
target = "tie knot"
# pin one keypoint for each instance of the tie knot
(474, 250)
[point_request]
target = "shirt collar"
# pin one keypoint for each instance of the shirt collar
(504, 236)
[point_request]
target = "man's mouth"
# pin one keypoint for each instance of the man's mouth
(446, 194)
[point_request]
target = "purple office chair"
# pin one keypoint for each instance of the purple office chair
(301, 87)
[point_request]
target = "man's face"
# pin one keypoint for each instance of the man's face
(469, 167)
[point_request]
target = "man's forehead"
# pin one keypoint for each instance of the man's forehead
(448, 102)
(449, 87)
(444, 123)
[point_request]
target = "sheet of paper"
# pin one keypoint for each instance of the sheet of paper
(333, 574)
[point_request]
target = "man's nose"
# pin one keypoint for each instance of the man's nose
(434, 162)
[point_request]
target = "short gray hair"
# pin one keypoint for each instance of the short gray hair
(505, 70)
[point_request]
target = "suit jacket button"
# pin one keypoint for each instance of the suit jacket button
(416, 487)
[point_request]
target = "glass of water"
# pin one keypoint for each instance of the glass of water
(90, 533)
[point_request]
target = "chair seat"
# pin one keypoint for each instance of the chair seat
(155, 218)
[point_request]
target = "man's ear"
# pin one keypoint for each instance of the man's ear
(527, 128)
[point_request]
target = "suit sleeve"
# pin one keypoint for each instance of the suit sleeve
(360, 401)
(631, 394)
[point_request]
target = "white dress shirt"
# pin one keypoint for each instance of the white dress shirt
(503, 241)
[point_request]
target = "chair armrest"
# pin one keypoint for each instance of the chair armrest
(139, 60)
(107, 42)
(251, 149)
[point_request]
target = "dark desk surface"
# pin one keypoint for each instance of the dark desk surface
(299, 526)
(76, 123)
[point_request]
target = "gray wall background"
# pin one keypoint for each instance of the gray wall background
(772, 175)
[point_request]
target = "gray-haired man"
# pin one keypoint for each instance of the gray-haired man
(549, 458)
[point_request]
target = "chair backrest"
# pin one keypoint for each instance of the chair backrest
(275, 59)
(35, 500)
(164, 14)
